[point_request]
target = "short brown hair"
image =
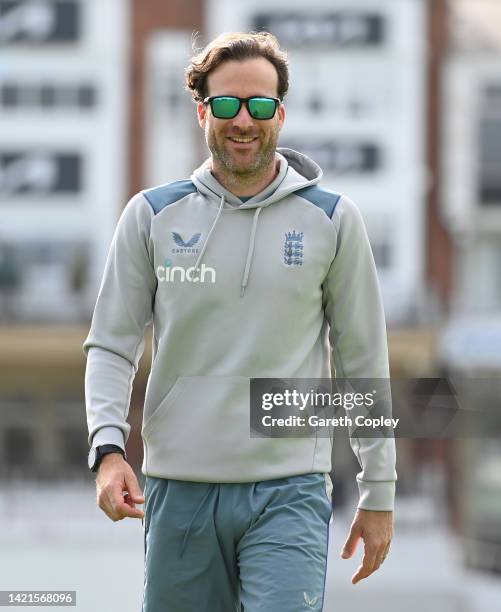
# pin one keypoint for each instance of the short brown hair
(236, 46)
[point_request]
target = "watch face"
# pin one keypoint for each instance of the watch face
(92, 457)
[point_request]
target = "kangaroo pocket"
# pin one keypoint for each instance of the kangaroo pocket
(199, 405)
(201, 432)
(150, 416)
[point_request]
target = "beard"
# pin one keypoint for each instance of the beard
(257, 164)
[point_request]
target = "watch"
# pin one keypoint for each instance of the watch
(96, 454)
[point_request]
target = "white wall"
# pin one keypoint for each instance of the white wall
(172, 134)
(386, 82)
(97, 57)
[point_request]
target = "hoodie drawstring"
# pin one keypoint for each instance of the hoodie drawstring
(199, 258)
(250, 252)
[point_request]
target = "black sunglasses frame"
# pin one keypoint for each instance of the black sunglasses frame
(241, 101)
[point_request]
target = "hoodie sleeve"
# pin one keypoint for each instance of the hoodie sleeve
(115, 341)
(354, 309)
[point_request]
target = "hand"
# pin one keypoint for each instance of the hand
(376, 529)
(115, 476)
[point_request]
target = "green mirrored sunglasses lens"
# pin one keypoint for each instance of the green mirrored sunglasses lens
(225, 108)
(262, 108)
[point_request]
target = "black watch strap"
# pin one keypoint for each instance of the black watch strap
(101, 451)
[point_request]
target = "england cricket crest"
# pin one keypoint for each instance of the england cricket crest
(293, 248)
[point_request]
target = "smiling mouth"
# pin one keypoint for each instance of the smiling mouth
(242, 139)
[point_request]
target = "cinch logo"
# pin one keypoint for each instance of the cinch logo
(171, 274)
(185, 248)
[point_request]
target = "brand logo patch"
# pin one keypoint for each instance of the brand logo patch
(293, 249)
(309, 602)
(187, 247)
(170, 274)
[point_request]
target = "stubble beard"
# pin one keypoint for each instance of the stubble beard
(226, 164)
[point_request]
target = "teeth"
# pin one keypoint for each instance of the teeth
(237, 139)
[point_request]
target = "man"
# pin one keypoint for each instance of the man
(249, 269)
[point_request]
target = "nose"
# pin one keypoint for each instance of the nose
(243, 119)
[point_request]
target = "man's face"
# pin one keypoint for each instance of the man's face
(251, 77)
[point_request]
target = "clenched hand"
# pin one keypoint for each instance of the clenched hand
(115, 477)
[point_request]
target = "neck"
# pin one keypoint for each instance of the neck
(245, 185)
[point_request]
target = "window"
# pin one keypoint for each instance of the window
(382, 254)
(9, 96)
(40, 172)
(86, 96)
(379, 230)
(340, 157)
(44, 281)
(15, 95)
(489, 179)
(338, 29)
(481, 281)
(47, 96)
(74, 447)
(23, 22)
(19, 447)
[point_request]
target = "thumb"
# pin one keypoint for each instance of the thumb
(351, 543)
(134, 489)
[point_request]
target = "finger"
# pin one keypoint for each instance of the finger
(115, 506)
(386, 551)
(107, 502)
(110, 511)
(134, 489)
(379, 559)
(127, 508)
(367, 566)
(381, 556)
(129, 501)
(124, 510)
(115, 495)
(351, 543)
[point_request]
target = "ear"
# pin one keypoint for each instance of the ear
(281, 115)
(201, 114)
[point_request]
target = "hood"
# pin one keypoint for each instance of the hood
(296, 172)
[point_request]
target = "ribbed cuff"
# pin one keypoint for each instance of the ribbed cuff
(376, 495)
(109, 435)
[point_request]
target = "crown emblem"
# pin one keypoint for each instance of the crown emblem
(293, 237)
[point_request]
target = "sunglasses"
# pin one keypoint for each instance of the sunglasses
(228, 107)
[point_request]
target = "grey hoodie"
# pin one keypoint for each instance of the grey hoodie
(286, 284)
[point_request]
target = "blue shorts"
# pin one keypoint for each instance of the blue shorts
(233, 547)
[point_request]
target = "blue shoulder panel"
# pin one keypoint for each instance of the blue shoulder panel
(323, 198)
(162, 196)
